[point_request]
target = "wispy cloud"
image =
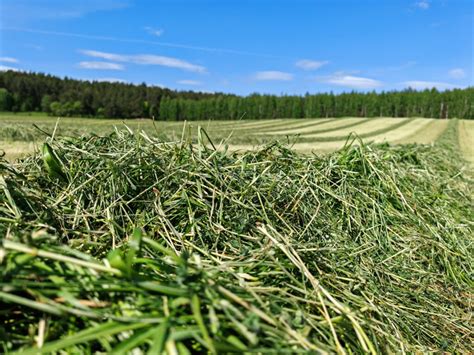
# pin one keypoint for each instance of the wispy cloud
(422, 4)
(105, 55)
(101, 65)
(420, 85)
(189, 82)
(6, 68)
(457, 73)
(307, 64)
(154, 31)
(147, 59)
(273, 75)
(8, 60)
(353, 82)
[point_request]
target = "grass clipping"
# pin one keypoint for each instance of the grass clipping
(123, 242)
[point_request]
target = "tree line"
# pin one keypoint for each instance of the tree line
(23, 92)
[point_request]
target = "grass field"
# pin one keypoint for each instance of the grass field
(126, 244)
(18, 136)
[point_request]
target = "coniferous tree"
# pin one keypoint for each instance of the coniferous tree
(21, 91)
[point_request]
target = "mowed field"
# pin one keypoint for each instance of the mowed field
(124, 244)
(21, 134)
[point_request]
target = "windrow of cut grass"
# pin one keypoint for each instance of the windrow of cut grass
(368, 130)
(245, 125)
(420, 131)
(296, 125)
(124, 242)
(415, 126)
(331, 139)
(329, 126)
(466, 142)
(425, 134)
(365, 127)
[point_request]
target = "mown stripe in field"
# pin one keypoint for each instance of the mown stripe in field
(426, 134)
(466, 141)
(391, 130)
(363, 127)
(262, 128)
(369, 129)
(389, 134)
(300, 125)
(359, 133)
(327, 144)
(255, 123)
(318, 147)
(332, 125)
(415, 125)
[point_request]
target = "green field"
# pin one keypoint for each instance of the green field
(18, 135)
(120, 241)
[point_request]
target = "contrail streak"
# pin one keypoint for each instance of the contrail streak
(134, 40)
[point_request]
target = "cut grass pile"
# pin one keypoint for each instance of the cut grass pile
(123, 242)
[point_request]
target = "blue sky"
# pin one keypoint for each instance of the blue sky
(267, 46)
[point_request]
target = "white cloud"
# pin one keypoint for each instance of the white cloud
(457, 73)
(420, 85)
(6, 68)
(154, 31)
(104, 55)
(273, 75)
(150, 59)
(353, 82)
(147, 59)
(307, 64)
(422, 4)
(101, 65)
(189, 82)
(8, 60)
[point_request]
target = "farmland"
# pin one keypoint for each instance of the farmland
(236, 177)
(18, 135)
(152, 238)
